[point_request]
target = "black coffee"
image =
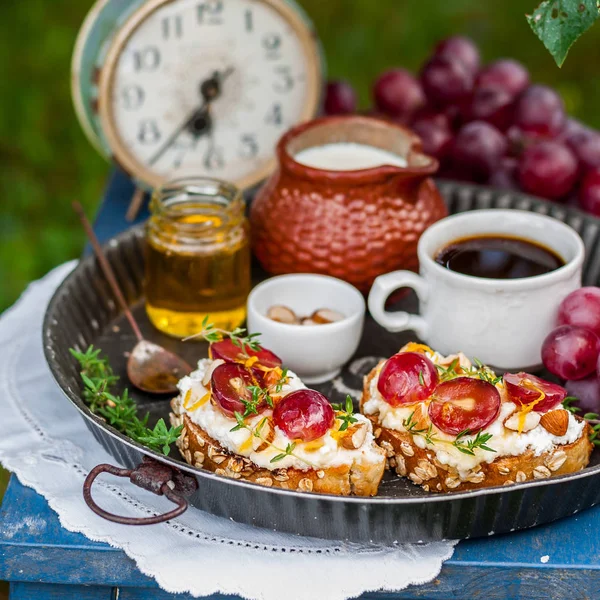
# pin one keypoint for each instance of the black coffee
(496, 257)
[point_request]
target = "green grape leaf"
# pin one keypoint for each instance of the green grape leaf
(558, 23)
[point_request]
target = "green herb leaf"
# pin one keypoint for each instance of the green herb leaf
(346, 413)
(119, 411)
(567, 404)
(558, 24)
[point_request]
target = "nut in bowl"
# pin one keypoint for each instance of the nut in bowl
(316, 353)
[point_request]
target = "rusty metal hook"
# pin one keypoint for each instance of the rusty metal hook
(150, 475)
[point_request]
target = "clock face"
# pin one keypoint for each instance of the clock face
(207, 88)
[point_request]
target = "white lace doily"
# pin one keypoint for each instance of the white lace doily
(45, 442)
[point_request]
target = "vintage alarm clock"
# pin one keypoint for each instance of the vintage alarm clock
(178, 88)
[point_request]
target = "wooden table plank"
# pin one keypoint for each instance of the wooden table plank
(35, 548)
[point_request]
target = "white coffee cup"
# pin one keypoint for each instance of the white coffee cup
(502, 322)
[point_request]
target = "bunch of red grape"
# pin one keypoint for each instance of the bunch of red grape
(572, 350)
(488, 124)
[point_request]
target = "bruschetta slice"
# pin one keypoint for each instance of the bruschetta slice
(246, 417)
(449, 424)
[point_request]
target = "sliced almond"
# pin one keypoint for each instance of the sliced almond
(419, 417)
(283, 314)
(308, 322)
(354, 437)
(267, 435)
(522, 421)
(208, 373)
(326, 315)
(556, 422)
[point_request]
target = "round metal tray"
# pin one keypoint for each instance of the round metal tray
(83, 311)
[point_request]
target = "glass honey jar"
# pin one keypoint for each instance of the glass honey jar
(197, 256)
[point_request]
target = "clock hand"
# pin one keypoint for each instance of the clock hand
(197, 124)
(200, 121)
(210, 89)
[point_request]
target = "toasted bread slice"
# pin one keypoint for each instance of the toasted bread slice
(431, 466)
(200, 450)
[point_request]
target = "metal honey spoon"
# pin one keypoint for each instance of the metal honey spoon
(150, 367)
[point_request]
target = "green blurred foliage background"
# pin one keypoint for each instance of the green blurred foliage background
(46, 162)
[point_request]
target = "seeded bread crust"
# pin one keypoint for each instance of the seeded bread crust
(421, 466)
(202, 451)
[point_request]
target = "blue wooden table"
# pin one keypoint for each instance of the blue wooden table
(560, 561)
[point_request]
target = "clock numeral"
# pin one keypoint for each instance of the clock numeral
(132, 97)
(285, 80)
(213, 159)
(249, 21)
(172, 26)
(210, 12)
(274, 116)
(271, 42)
(148, 132)
(249, 146)
(147, 59)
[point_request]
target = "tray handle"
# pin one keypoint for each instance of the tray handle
(151, 475)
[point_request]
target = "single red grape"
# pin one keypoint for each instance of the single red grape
(446, 81)
(548, 169)
(571, 352)
(462, 49)
(506, 74)
(407, 378)
(523, 389)
(585, 145)
(464, 403)
(340, 98)
(587, 391)
(398, 94)
(226, 350)
(304, 415)
(229, 384)
(504, 176)
(581, 308)
(435, 133)
(572, 129)
(539, 112)
(491, 104)
(477, 150)
(589, 192)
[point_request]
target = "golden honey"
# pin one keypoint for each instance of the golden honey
(197, 257)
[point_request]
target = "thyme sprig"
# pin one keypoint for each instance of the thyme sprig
(289, 451)
(567, 404)
(449, 372)
(259, 395)
(345, 413)
(283, 379)
(468, 446)
(485, 373)
(478, 369)
(427, 433)
(263, 394)
(239, 336)
(257, 433)
(460, 443)
(119, 411)
(592, 418)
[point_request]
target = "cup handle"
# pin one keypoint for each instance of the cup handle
(383, 286)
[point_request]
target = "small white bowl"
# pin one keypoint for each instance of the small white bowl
(315, 353)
